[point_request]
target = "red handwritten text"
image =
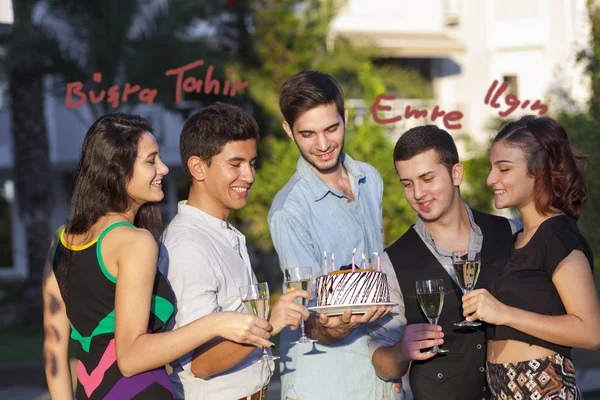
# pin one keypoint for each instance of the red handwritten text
(191, 84)
(449, 119)
(76, 97)
(510, 100)
(114, 96)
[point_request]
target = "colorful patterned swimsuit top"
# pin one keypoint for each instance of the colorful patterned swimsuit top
(88, 290)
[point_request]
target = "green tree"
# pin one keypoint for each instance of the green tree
(583, 134)
(273, 40)
(291, 36)
(366, 142)
(32, 172)
(132, 41)
(583, 131)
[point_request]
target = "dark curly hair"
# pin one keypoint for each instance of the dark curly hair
(552, 161)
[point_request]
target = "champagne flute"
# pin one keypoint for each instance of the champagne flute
(467, 265)
(430, 294)
(255, 298)
(300, 278)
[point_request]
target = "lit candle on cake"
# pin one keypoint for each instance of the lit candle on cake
(324, 263)
(353, 266)
(378, 261)
(364, 263)
(333, 262)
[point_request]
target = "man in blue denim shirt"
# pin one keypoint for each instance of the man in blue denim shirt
(332, 204)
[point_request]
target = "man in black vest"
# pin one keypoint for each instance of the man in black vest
(427, 163)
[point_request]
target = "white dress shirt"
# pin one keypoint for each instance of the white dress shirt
(206, 261)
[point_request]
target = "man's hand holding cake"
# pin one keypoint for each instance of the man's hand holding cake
(331, 329)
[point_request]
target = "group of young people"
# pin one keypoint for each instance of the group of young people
(135, 298)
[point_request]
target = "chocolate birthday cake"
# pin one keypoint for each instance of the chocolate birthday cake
(342, 287)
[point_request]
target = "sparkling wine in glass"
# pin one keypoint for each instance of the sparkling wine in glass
(430, 294)
(300, 278)
(467, 265)
(255, 299)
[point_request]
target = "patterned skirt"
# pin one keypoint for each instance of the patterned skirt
(546, 378)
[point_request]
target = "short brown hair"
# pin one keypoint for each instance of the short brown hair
(205, 133)
(423, 138)
(307, 90)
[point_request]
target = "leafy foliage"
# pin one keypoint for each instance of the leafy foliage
(583, 129)
(365, 141)
(133, 41)
(583, 134)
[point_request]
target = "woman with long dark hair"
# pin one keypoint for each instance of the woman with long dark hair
(101, 279)
(545, 302)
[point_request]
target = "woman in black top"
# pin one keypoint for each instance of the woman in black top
(545, 301)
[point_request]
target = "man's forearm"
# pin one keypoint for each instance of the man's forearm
(389, 363)
(218, 355)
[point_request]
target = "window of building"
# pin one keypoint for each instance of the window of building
(6, 237)
(452, 12)
(507, 10)
(513, 84)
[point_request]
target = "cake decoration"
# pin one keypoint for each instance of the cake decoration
(352, 285)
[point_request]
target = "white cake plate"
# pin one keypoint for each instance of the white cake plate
(356, 308)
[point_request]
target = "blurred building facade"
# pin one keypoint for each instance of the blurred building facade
(463, 46)
(459, 46)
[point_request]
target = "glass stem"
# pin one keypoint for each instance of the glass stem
(302, 327)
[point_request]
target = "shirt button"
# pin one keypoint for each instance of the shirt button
(479, 347)
(440, 375)
(483, 389)
(481, 369)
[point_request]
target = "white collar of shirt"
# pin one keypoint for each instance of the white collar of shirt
(236, 238)
(197, 213)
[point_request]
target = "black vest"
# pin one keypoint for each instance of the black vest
(459, 374)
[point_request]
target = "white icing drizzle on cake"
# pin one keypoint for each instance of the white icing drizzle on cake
(352, 288)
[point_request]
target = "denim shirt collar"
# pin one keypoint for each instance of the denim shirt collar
(317, 187)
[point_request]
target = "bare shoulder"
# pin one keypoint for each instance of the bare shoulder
(55, 239)
(49, 283)
(132, 237)
(129, 243)
(56, 236)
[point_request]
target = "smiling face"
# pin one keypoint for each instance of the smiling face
(145, 184)
(227, 181)
(319, 135)
(428, 187)
(513, 186)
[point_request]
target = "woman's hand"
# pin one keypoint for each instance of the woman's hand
(243, 328)
(481, 305)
